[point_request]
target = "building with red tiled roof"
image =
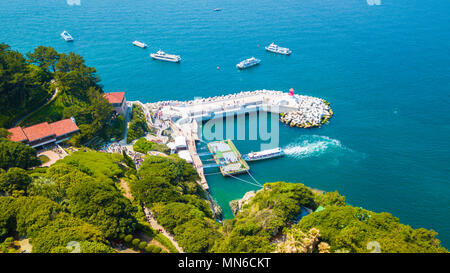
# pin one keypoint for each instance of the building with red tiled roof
(17, 134)
(39, 132)
(64, 128)
(118, 101)
(44, 133)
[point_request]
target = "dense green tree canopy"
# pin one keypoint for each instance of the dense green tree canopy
(16, 154)
(144, 146)
(14, 180)
(197, 235)
(48, 188)
(63, 230)
(73, 200)
(102, 205)
(137, 126)
(26, 84)
(4, 133)
(44, 57)
(346, 228)
(155, 189)
(168, 186)
(22, 86)
(266, 214)
(175, 214)
(174, 170)
(98, 165)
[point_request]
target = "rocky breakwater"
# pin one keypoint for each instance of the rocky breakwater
(311, 112)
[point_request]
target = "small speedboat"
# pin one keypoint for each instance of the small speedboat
(66, 36)
(140, 44)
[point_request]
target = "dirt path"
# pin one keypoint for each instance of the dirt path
(25, 245)
(152, 221)
(126, 188)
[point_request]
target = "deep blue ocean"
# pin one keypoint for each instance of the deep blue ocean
(385, 69)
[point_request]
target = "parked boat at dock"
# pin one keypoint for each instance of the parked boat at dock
(66, 36)
(263, 154)
(162, 56)
(140, 44)
(248, 63)
(278, 49)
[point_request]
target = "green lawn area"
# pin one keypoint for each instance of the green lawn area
(44, 159)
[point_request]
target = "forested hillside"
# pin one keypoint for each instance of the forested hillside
(23, 87)
(28, 82)
(269, 222)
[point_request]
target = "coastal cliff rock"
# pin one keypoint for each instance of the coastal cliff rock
(236, 205)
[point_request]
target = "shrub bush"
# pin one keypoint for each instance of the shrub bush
(135, 242)
(9, 242)
(128, 238)
(157, 249)
(149, 248)
(142, 245)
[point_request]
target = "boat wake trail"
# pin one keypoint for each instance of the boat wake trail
(313, 145)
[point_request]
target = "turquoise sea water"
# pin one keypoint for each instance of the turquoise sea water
(385, 70)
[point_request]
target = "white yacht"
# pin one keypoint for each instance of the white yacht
(248, 63)
(263, 154)
(277, 49)
(140, 44)
(67, 36)
(162, 56)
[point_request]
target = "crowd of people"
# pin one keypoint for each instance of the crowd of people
(54, 148)
(115, 147)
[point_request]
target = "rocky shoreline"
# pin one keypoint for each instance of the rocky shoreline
(313, 112)
(236, 205)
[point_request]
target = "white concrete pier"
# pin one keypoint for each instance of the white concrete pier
(309, 110)
(184, 116)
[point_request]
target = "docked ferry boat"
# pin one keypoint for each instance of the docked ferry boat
(140, 44)
(66, 36)
(277, 49)
(248, 63)
(162, 56)
(263, 154)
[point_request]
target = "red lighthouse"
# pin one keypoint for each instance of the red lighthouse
(291, 92)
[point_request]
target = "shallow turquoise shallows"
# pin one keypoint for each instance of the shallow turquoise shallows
(384, 69)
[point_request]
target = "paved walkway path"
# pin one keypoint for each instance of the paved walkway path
(52, 156)
(25, 245)
(126, 188)
(152, 221)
